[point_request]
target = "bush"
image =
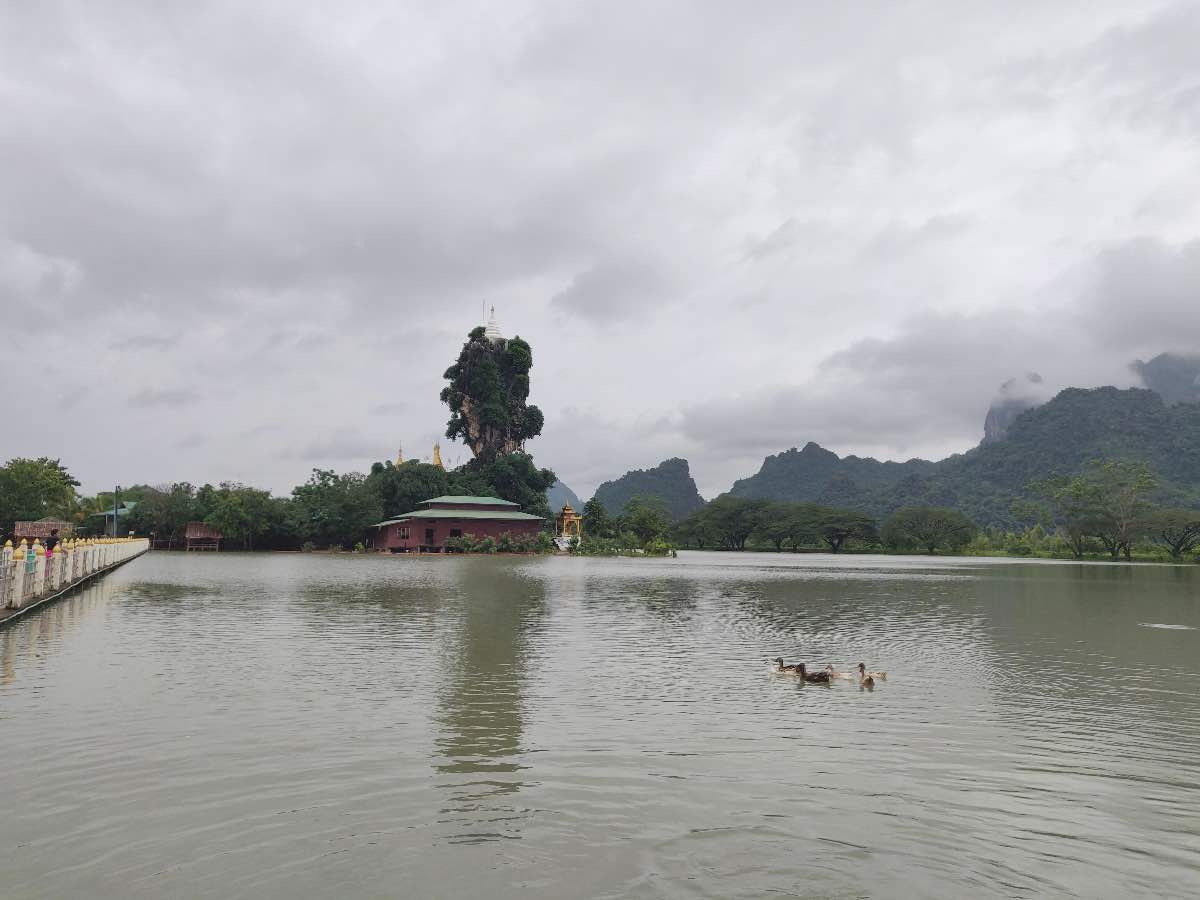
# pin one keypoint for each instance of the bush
(505, 544)
(454, 544)
(659, 547)
(487, 545)
(308, 547)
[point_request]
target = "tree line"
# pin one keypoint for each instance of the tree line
(736, 523)
(330, 510)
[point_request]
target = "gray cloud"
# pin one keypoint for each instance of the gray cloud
(613, 289)
(724, 232)
(173, 397)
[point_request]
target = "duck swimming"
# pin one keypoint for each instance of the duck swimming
(863, 673)
(780, 667)
(834, 673)
(813, 677)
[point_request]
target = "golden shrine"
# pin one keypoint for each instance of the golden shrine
(568, 523)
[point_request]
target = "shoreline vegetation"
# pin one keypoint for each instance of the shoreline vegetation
(1103, 514)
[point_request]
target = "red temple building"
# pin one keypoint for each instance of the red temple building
(426, 530)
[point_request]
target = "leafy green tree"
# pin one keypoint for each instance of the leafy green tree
(32, 489)
(1108, 501)
(488, 396)
(596, 521)
(1176, 529)
(515, 477)
(164, 512)
(728, 520)
(929, 528)
(647, 518)
(776, 525)
(1122, 488)
(243, 513)
(403, 488)
(332, 509)
(837, 526)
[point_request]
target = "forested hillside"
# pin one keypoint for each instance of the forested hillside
(558, 495)
(671, 481)
(803, 475)
(1060, 436)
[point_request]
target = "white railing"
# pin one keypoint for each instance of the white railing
(28, 574)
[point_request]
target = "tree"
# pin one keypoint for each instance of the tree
(164, 511)
(488, 394)
(777, 523)
(1176, 529)
(334, 509)
(596, 521)
(728, 520)
(32, 489)
(403, 488)
(242, 513)
(928, 527)
(1121, 488)
(1071, 505)
(836, 526)
(647, 517)
(509, 476)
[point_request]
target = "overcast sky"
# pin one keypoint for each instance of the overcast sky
(241, 240)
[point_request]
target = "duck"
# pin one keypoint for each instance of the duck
(813, 677)
(834, 673)
(780, 667)
(868, 683)
(864, 674)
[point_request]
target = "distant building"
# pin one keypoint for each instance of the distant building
(106, 526)
(198, 536)
(427, 530)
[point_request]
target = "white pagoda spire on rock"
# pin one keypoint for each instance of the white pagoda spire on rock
(492, 331)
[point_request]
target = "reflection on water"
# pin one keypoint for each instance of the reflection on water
(480, 719)
(305, 726)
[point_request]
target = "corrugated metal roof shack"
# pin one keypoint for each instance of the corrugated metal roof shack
(427, 530)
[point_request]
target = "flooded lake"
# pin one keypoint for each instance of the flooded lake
(295, 726)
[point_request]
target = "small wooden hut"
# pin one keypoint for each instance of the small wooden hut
(198, 536)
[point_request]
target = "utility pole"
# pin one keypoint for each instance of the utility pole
(116, 497)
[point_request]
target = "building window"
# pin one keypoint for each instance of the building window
(402, 532)
(455, 532)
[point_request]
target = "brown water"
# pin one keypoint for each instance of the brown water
(306, 726)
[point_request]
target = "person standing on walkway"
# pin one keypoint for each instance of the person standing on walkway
(52, 542)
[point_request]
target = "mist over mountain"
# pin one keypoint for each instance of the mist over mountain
(1173, 376)
(1014, 397)
(671, 481)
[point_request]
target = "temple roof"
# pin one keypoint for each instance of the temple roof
(474, 501)
(503, 515)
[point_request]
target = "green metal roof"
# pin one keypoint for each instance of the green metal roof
(506, 515)
(478, 501)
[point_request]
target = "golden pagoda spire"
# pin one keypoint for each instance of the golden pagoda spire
(400, 455)
(437, 456)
